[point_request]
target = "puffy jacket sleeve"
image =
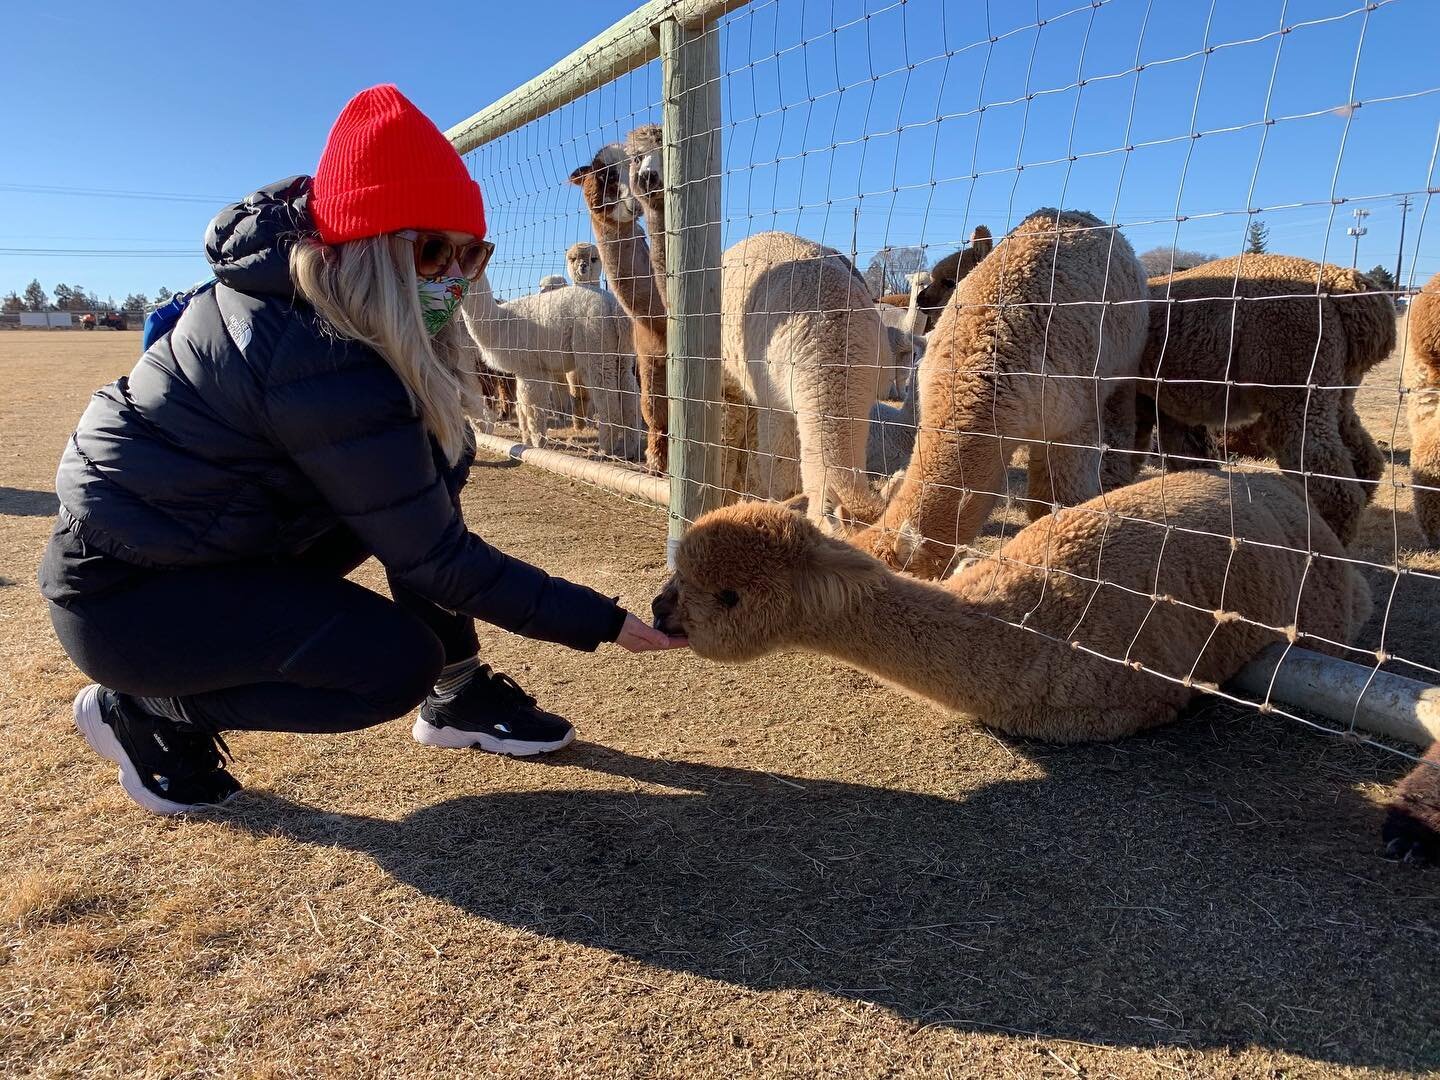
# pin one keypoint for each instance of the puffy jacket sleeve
(352, 430)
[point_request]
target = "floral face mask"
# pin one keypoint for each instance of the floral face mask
(439, 300)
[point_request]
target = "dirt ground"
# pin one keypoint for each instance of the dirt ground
(776, 870)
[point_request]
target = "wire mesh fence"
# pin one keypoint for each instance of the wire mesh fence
(1173, 410)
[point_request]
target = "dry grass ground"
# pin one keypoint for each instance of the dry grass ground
(777, 870)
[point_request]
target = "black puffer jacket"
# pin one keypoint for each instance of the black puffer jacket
(247, 432)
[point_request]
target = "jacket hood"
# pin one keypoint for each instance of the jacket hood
(248, 243)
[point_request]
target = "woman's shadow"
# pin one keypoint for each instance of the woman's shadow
(1179, 889)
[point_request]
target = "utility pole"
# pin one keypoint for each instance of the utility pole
(1358, 230)
(1400, 251)
(855, 238)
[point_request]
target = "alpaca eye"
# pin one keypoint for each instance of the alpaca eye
(728, 597)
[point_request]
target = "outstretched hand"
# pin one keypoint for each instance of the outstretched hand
(636, 637)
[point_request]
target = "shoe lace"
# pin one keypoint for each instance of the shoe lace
(504, 687)
(200, 751)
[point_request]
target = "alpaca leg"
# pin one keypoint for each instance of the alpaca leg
(776, 462)
(1182, 446)
(1424, 415)
(947, 492)
(1061, 475)
(1119, 421)
(579, 397)
(655, 408)
(1365, 457)
(1412, 827)
(1306, 439)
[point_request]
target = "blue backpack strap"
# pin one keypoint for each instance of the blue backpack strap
(163, 319)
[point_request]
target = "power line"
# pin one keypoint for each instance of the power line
(115, 193)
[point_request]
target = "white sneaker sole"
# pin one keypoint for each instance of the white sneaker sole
(90, 720)
(450, 738)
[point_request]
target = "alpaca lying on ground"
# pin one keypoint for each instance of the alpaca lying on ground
(754, 579)
(1035, 347)
(1422, 379)
(1276, 365)
(1412, 826)
(541, 336)
(946, 275)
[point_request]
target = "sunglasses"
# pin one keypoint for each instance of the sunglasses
(435, 252)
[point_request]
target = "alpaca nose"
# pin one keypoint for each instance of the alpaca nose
(648, 182)
(662, 609)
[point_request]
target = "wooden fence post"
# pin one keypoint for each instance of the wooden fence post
(690, 54)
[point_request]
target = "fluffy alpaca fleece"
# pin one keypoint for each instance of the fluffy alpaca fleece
(1061, 296)
(755, 579)
(551, 282)
(605, 185)
(1250, 365)
(1412, 826)
(946, 275)
(541, 336)
(800, 335)
(1422, 379)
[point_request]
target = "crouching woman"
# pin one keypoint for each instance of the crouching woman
(302, 415)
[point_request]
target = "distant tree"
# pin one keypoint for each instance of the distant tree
(889, 267)
(73, 298)
(1382, 278)
(35, 298)
(136, 302)
(1257, 238)
(12, 303)
(1161, 260)
(163, 295)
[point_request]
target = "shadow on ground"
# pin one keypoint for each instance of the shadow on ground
(18, 502)
(1214, 884)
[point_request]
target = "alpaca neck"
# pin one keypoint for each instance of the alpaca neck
(626, 258)
(921, 638)
(655, 226)
(486, 319)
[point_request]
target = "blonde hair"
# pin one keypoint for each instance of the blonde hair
(367, 291)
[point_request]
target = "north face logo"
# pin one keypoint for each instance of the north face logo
(240, 331)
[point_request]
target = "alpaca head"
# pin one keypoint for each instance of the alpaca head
(551, 282)
(647, 165)
(605, 183)
(918, 280)
(946, 274)
(755, 577)
(583, 262)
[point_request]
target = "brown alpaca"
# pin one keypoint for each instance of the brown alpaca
(1034, 347)
(946, 275)
(625, 255)
(1412, 827)
(1011, 640)
(1422, 379)
(1271, 345)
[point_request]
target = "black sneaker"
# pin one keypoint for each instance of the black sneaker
(167, 768)
(491, 712)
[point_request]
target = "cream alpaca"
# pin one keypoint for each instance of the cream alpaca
(1035, 347)
(538, 337)
(755, 579)
(1251, 365)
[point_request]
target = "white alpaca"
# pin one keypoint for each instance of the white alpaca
(539, 337)
(800, 335)
(897, 352)
(583, 262)
(891, 439)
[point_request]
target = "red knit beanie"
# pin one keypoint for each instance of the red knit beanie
(386, 167)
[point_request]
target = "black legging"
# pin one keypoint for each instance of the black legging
(283, 646)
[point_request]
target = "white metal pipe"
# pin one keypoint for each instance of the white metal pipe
(655, 489)
(1377, 702)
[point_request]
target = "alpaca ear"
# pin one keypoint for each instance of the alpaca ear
(797, 504)
(837, 578)
(981, 241)
(578, 174)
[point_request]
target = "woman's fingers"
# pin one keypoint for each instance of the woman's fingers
(637, 637)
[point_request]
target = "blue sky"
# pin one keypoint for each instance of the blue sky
(920, 114)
